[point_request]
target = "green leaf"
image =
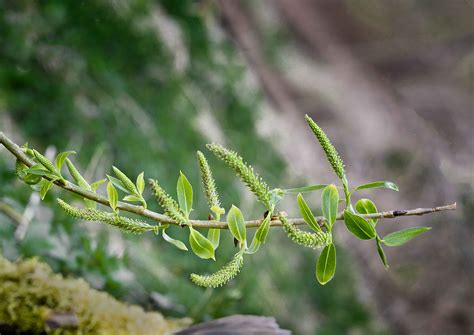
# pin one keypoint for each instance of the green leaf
(254, 246)
(117, 183)
(177, 243)
(366, 206)
(403, 236)
(132, 198)
(201, 246)
(377, 184)
(305, 189)
(214, 236)
(185, 194)
(326, 265)
(381, 253)
(96, 184)
(307, 214)
(32, 179)
(141, 182)
(236, 223)
(112, 195)
(359, 226)
(47, 184)
(262, 230)
(260, 235)
(329, 203)
(61, 157)
(38, 166)
(41, 172)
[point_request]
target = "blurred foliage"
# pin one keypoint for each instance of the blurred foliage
(144, 85)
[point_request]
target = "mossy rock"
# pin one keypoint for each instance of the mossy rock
(35, 300)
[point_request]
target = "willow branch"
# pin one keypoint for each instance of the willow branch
(11, 213)
(163, 219)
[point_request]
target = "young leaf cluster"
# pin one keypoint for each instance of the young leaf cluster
(134, 191)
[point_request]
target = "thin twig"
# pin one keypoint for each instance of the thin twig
(11, 213)
(163, 219)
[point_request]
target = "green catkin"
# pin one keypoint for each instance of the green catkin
(45, 162)
(127, 183)
(331, 152)
(78, 178)
(244, 171)
(90, 214)
(170, 206)
(222, 276)
(310, 240)
(208, 181)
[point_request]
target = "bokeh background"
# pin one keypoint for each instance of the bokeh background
(144, 84)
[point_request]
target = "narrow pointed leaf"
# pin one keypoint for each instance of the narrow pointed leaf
(381, 253)
(262, 230)
(177, 243)
(307, 214)
(326, 265)
(359, 226)
(47, 184)
(377, 184)
(214, 236)
(41, 172)
(201, 246)
(329, 203)
(254, 246)
(96, 184)
(366, 206)
(403, 236)
(61, 157)
(112, 195)
(141, 182)
(236, 223)
(260, 235)
(117, 183)
(38, 166)
(185, 194)
(132, 198)
(305, 189)
(32, 179)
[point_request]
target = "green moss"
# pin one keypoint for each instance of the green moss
(30, 293)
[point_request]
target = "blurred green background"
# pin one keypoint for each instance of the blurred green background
(144, 84)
